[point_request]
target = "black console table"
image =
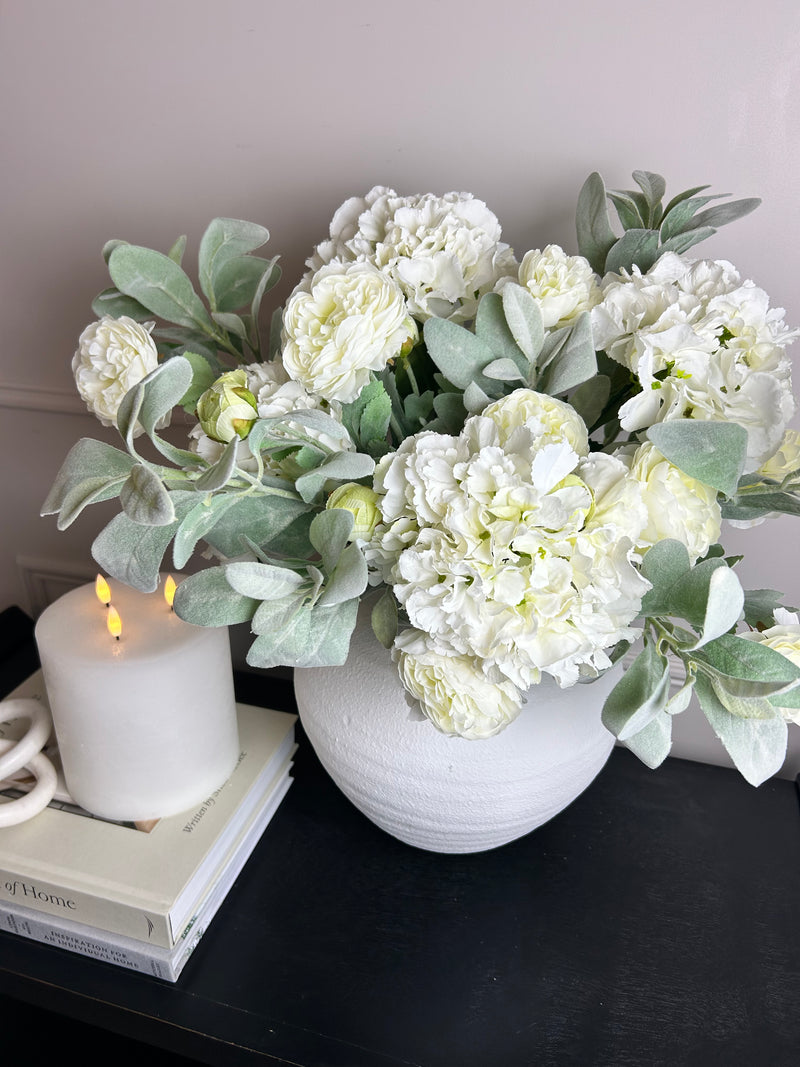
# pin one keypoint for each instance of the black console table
(654, 922)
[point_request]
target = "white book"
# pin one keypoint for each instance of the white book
(141, 882)
(137, 955)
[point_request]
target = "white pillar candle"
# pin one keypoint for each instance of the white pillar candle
(145, 724)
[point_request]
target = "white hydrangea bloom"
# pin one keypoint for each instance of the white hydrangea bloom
(444, 252)
(342, 323)
(457, 698)
(506, 546)
(678, 506)
(563, 286)
(703, 345)
(113, 356)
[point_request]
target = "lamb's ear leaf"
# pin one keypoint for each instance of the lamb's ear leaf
(712, 452)
(207, 599)
(595, 236)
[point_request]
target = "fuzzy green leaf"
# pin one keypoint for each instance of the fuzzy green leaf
(738, 658)
(348, 579)
(204, 374)
(225, 240)
(159, 284)
(524, 319)
(314, 637)
(493, 329)
(340, 467)
(144, 498)
(574, 361)
(756, 746)
(592, 224)
(206, 599)
(653, 743)
(218, 476)
(116, 304)
(458, 354)
(503, 370)
(759, 606)
(635, 248)
(639, 695)
(329, 533)
(257, 519)
(722, 214)
(198, 523)
(663, 566)
(240, 279)
(384, 619)
(262, 581)
(154, 397)
(711, 598)
(87, 461)
(133, 553)
(711, 452)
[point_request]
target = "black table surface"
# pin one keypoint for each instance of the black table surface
(654, 921)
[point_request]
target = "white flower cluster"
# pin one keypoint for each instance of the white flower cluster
(443, 252)
(703, 344)
(512, 551)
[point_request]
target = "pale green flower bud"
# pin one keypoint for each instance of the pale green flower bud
(228, 409)
(362, 503)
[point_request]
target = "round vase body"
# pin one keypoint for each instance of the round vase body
(442, 793)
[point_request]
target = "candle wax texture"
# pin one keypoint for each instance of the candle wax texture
(145, 725)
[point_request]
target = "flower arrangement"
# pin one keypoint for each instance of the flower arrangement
(525, 465)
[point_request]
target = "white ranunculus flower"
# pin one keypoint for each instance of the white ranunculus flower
(113, 355)
(444, 252)
(453, 692)
(784, 637)
(785, 460)
(678, 506)
(563, 286)
(347, 320)
(549, 420)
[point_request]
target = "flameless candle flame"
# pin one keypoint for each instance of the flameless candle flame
(114, 622)
(102, 589)
(169, 589)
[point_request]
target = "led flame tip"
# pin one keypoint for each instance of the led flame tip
(102, 589)
(114, 622)
(169, 589)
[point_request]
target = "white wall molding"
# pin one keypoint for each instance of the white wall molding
(45, 580)
(39, 398)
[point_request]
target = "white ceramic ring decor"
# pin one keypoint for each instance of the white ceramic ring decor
(26, 754)
(17, 754)
(441, 793)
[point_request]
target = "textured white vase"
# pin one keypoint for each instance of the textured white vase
(440, 793)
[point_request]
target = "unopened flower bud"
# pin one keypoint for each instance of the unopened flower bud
(361, 502)
(228, 409)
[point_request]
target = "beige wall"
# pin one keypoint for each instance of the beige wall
(144, 119)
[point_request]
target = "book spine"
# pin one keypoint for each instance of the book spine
(114, 917)
(134, 957)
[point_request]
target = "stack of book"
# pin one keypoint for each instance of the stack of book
(141, 895)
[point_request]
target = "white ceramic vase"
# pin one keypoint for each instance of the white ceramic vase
(440, 793)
